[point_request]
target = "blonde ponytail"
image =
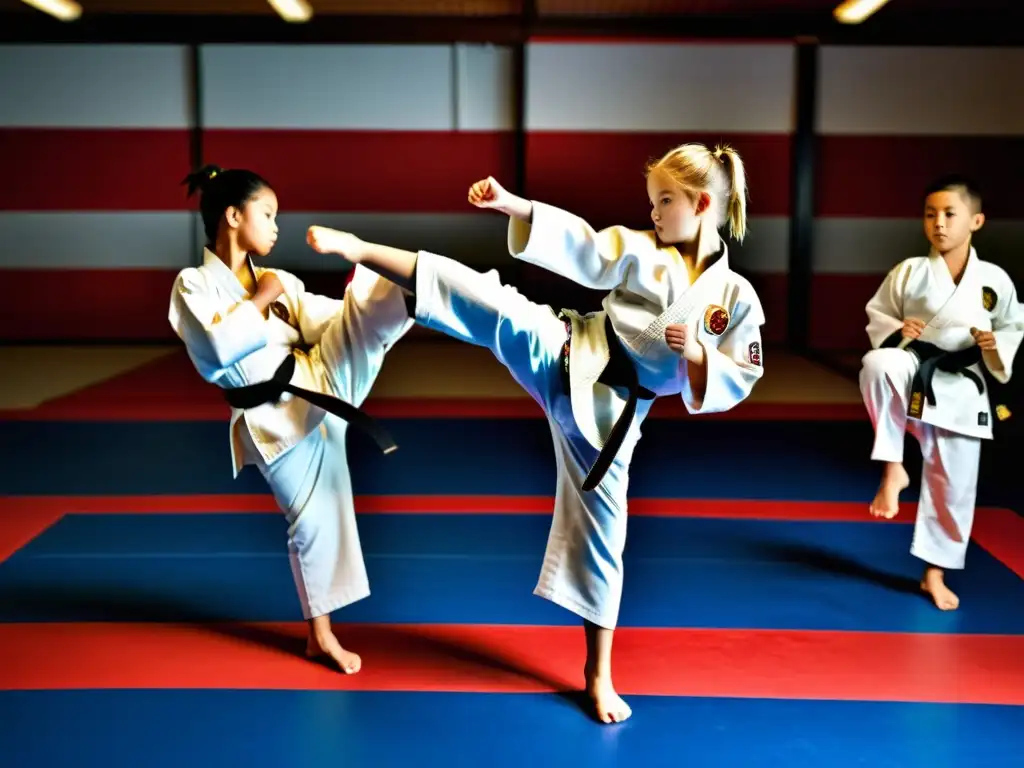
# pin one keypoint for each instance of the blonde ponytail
(736, 210)
(695, 169)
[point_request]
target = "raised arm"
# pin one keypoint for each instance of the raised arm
(559, 241)
(567, 245)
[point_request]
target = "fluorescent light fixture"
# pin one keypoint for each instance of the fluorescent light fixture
(295, 11)
(855, 11)
(65, 10)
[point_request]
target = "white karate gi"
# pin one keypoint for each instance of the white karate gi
(951, 431)
(651, 289)
(298, 447)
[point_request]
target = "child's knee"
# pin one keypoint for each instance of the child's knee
(879, 364)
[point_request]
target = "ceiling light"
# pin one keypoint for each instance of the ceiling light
(855, 11)
(294, 11)
(65, 10)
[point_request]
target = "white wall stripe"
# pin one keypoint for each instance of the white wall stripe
(660, 87)
(95, 240)
(94, 86)
(356, 87)
(873, 246)
(484, 97)
(163, 240)
(924, 91)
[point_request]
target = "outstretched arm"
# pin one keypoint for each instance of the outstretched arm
(559, 241)
(565, 244)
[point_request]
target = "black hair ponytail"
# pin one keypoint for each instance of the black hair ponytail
(219, 190)
(201, 178)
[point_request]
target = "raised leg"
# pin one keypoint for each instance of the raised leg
(886, 377)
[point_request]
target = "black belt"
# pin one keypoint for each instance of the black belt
(619, 372)
(254, 395)
(931, 359)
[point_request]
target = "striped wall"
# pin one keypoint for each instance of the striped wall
(890, 120)
(385, 140)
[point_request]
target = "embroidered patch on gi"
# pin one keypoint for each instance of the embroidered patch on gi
(716, 319)
(982, 419)
(916, 405)
(1002, 412)
(989, 298)
(754, 353)
(280, 310)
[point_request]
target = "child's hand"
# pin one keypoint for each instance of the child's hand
(269, 287)
(681, 340)
(984, 339)
(488, 193)
(912, 328)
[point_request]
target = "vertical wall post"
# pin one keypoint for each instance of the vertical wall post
(195, 76)
(801, 222)
(527, 16)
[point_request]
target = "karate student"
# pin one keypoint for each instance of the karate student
(295, 367)
(677, 321)
(933, 323)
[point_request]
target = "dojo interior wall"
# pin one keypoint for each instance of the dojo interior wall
(385, 140)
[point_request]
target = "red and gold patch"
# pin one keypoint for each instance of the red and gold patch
(716, 319)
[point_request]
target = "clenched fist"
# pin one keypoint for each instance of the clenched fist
(488, 193)
(684, 341)
(984, 339)
(269, 287)
(912, 328)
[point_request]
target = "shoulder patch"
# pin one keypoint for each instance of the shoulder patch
(754, 353)
(989, 298)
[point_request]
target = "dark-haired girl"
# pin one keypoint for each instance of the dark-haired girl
(243, 325)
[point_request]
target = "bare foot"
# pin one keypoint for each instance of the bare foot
(934, 584)
(608, 705)
(326, 644)
(327, 240)
(887, 501)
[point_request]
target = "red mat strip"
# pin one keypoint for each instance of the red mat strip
(1001, 533)
(770, 664)
(19, 524)
(12, 507)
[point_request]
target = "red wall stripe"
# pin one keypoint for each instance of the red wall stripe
(600, 175)
(885, 176)
(837, 311)
(597, 175)
(87, 304)
(367, 171)
(94, 170)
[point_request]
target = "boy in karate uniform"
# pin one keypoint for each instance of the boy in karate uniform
(933, 323)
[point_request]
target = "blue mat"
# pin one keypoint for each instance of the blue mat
(470, 569)
(115, 729)
(691, 458)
